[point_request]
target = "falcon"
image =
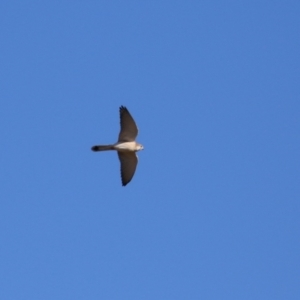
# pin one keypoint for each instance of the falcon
(126, 146)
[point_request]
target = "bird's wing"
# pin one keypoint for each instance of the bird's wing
(129, 130)
(128, 162)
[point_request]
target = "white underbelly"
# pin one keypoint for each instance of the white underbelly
(126, 146)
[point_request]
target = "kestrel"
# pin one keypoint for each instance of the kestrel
(126, 146)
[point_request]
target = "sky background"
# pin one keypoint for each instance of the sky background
(213, 209)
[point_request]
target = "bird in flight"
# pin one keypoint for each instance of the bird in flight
(126, 146)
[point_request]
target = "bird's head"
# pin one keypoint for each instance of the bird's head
(140, 147)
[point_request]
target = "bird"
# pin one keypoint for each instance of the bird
(126, 146)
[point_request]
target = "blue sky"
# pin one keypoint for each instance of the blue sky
(213, 209)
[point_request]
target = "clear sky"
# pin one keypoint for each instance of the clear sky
(213, 209)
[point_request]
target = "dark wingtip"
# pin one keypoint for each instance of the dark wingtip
(122, 180)
(124, 183)
(94, 148)
(122, 108)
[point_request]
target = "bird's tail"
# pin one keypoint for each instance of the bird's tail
(102, 147)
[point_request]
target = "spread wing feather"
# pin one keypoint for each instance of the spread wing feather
(128, 162)
(129, 130)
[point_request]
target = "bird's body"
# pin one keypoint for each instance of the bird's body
(123, 146)
(126, 146)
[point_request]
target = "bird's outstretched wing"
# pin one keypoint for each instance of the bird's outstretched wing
(129, 130)
(128, 162)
